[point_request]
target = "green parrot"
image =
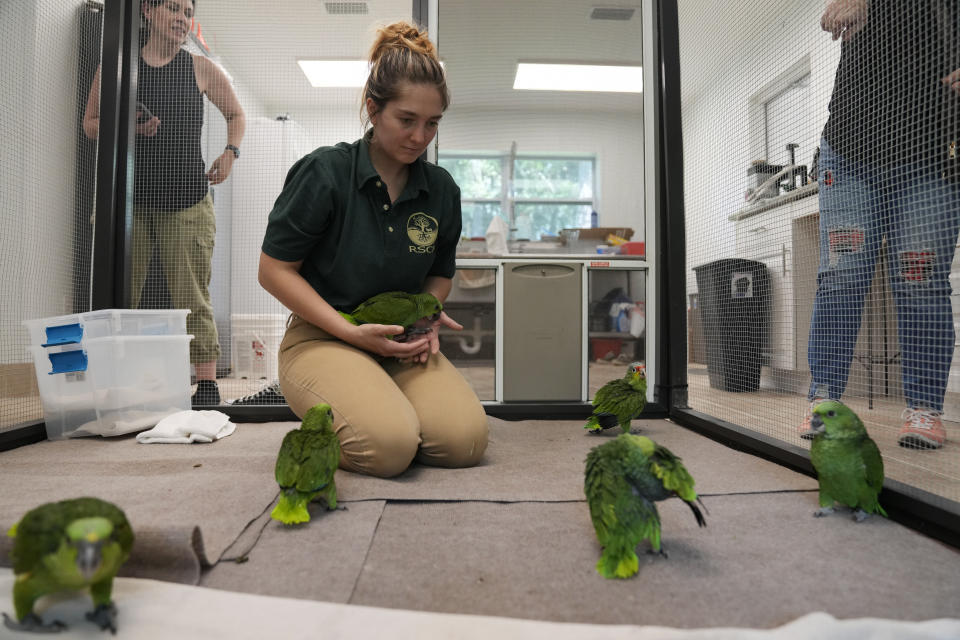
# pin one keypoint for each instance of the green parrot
(619, 401)
(624, 478)
(68, 546)
(848, 463)
(415, 312)
(305, 465)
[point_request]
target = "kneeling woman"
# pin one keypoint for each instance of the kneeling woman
(354, 220)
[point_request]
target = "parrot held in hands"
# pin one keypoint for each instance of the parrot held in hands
(619, 401)
(305, 465)
(624, 478)
(848, 463)
(68, 546)
(415, 312)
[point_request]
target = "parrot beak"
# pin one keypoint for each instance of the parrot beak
(816, 423)
(88, 558)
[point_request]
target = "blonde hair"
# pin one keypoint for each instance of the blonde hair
(401, 53)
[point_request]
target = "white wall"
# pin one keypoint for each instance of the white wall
(214, 139)
(38, 46)
(725, 61)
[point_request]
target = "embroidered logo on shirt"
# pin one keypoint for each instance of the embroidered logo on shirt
(422, 231)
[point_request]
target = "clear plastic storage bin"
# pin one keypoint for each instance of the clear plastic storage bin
(80, 327)
(111, 386)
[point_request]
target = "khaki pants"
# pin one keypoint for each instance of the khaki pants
(185, 239)
(386, 414)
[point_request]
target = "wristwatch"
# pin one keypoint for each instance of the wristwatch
(236, 150)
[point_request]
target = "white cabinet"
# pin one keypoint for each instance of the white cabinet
(768, 237)
(502, 327)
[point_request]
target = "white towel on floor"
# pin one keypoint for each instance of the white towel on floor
(185, 427)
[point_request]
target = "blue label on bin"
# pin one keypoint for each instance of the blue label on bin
(64, 334)
(68, 361)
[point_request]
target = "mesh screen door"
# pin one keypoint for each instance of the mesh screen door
(822, 202)
(237, 109)
(50, 51)
(545, 151)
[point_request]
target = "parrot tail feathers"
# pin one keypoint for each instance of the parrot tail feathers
(618, 563)
(701, 521)
(609, 420)
(291, 508)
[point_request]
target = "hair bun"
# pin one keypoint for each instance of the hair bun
(402, 35)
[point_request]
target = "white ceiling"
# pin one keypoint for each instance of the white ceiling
(480, 42)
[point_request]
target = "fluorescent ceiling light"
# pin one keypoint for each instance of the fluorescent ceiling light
(578, 77)
(335, 73)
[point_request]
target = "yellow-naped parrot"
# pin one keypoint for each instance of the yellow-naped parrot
(415, 312)
(624, 479)
(848, 463)
(306, 463)
(68, 546)
(619, 401)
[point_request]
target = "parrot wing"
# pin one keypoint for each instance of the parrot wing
(620, 399)
(873, 464)
(670, 470)
(321, 455)
(287, 469)
(873, 472)
(391, 307)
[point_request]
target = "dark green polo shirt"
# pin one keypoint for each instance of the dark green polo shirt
(335, 214)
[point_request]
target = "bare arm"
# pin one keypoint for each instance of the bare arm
(438, 286)
(844, 18)
(91, 117)
(214, 83)
(284, 282)
(952, 80)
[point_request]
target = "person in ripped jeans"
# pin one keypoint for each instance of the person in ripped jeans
(888, 171)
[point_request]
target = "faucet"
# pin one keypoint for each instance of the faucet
(771, 178)
(795, 171)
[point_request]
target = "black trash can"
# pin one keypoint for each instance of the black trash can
(735, 309)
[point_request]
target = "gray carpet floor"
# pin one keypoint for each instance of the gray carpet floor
(511, 537)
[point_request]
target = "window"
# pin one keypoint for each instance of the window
(783, 112)
(549, 193)
(787, 122)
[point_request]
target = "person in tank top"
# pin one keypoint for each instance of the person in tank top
(173, 210)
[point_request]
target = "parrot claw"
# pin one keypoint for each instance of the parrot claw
(662, 552)
(33, 623)
(860, 515)
(822, 511)
(105, 616)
